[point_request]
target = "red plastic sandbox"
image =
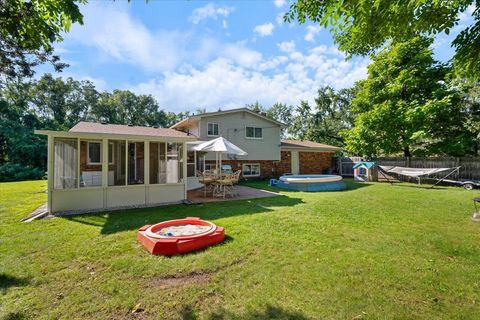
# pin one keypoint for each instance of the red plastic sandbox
(172, 245)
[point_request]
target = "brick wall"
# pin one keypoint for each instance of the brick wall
(268, 168)
(83, 159)
(315, 162)
(310, 162)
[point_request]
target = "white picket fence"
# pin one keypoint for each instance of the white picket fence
(469, 166)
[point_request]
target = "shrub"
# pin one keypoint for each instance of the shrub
(18, 172)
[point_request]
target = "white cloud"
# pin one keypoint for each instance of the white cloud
(286, 46)
(226, 84)
(191, 70)
(264, 30)
(210, 11)
(127, 40)
(279, 3)
(312, 31)
(279, 18)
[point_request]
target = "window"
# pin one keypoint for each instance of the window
(65, 164)
(212, 129)
(210, 167)
(94, 152)
(251, 170)
(253, 132)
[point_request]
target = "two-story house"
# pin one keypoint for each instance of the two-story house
(260, 136)
(100, 166)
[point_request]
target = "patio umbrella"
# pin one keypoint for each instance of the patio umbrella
(220, 146)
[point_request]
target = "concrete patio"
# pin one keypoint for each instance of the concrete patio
(244, 193)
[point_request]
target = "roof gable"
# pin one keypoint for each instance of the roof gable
(217, 113)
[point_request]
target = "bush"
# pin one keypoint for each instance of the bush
(18, 172)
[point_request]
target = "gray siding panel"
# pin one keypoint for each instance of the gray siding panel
(232, 127)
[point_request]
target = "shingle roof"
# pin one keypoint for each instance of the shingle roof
(94, 127)
(306, 144)
(215, 113)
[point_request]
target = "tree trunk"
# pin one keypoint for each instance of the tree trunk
(406, 152)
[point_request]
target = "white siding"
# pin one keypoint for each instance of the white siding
(232, 127)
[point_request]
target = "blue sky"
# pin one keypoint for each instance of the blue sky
(222, 54)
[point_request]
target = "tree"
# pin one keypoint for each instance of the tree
(124, 107)
(22, 153)
(64, 101)
(470, 95)
(405, 105)
(282, 113)
(363, 26)
(332, 114)
(326, 120)
(301, 123)
(255, 107)
(27, 31)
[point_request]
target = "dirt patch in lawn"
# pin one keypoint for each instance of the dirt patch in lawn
(195, 277)
(179, 280)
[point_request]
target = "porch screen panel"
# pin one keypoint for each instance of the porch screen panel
(200, 161)
(65, 164)
(117, 163)
(136, 162)
(91, 163)
(191, 164)
(174, 163)
(158, 164)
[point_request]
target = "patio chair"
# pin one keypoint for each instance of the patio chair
(207, 179)
(235, 179)
(224, 186)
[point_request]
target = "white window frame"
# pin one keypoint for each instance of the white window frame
(212, 166)
(253, 138)
(88, 153)
(218, 129)
(101, 153)
(251, 164)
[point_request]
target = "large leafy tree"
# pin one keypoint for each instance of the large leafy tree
(282, 113)
(125, 107)
(27, 31)
(363, 26)
(331, 115)
(406, 106)
(323, 122)
(63, 101)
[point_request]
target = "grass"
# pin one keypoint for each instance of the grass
(374, 251)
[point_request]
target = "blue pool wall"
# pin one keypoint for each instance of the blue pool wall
(313, 187)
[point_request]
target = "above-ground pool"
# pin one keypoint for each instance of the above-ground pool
(312, 182)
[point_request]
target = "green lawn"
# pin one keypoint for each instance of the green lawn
(374, 251)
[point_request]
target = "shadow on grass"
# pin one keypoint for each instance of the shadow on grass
(269, 312)
(124, 220)
(7, 281)
(14, 316)
(424, 186)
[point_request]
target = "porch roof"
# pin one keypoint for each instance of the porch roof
(100, 130)
(306, 145)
